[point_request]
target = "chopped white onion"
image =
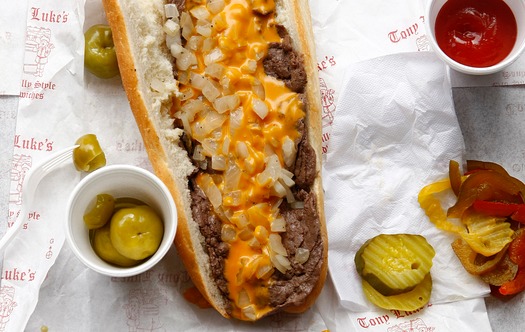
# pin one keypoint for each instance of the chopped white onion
(194, 43)
(208, 44)
(198, 154)
(200, 13)
(302, 255)
(203, 28)
(236, 118)
(250, 66)
(226, 145)
(260, 108)
(185, 60)
(232, 177)
(210, 146)
(290, 198)
(214, 56)
(212, 191)
(232, 198)
(186, 94)
(278, 190)
(297, 205)
(278, 225)
(215, 6)
(254, 243)
(249, 312)
(245, 234)
(171, 11)
(239, 219)
(176, 50)
(215, 70)
(210, 91)
(192, 107)
(242, 150)
(276, 244)
(261, 233)
(228, 233)
(197, 81)
(227, 103)
(171, 28)
(218, 162)
(258, 89)
(243, 299)
(282, 263)
(289, 151)
(186, 24)
(264, 271)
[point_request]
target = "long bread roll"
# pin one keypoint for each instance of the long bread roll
(225, 94)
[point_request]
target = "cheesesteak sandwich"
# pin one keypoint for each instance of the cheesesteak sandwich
(225, 94)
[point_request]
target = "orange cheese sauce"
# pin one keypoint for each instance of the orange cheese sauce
(243, 37)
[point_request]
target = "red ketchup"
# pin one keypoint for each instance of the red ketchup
(476, 33)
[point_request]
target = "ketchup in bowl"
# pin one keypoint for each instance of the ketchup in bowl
(476, 33)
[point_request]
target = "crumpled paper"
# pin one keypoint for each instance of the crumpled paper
(50, 100)
(12, 39)
(395, 132)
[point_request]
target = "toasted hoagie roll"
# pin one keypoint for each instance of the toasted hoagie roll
(225, 94)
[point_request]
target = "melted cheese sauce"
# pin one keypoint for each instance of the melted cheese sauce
(242, 142)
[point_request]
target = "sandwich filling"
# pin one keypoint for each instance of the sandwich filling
(242, 109)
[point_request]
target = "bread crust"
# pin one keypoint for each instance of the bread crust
(171, 163)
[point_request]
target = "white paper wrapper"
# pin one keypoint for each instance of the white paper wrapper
(74, 298)
(50, 102)
(395, 132)
(12, 40)
(468, 315)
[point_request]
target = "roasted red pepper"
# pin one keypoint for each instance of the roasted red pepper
(487, 185)
(501, 209)
(517, 249)
(516, 253)
(514, 286)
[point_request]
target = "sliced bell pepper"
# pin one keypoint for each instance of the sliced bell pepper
(432, 206)
(501, 209)
(487, 185)
(454, 175)
(517, 249)
(468, 258)
(514, 286)
(476, 165)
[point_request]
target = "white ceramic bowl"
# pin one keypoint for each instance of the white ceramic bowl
(119, 181)
(517, 7)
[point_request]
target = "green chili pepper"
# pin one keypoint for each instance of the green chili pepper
(99, 52)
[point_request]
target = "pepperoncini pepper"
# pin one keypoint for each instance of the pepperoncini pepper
(88, 156)
(99, 52)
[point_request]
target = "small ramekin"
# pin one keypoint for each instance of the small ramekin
(119, 181)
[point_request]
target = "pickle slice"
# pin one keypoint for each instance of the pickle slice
(394, 263)
(409, 301)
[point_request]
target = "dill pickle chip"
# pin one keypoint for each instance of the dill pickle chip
(394, 263)
(408, 301)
